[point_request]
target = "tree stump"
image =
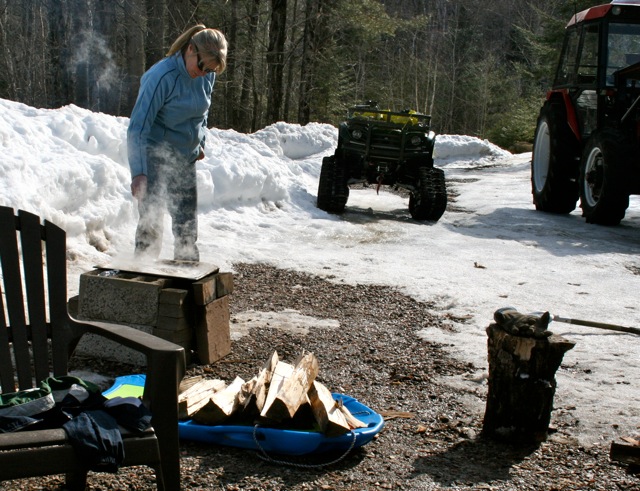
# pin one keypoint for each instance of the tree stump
(521, 383)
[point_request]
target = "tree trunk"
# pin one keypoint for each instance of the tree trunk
(155, 46)
(134, 49)
(306, 66)
(78, 43)
(521, 384)
(180, 17)
(249, 96)
(106, 80)
(61, 85)
(275, 59)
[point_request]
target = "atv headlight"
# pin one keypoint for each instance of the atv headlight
(415, 140)
(356, 134)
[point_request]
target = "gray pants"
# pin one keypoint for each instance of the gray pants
(171, 185)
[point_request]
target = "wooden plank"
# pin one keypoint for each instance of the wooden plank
(212, 287)
(56, 247)
(11, 276)
(224, 284)
(204, 290)
(293, 390)
(213, 335)
(627, 454)
(220, 405)
(6, 368)
(31, 240)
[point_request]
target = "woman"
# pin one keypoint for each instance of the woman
(166, 137)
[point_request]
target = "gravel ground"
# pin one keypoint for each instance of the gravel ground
(431, 436)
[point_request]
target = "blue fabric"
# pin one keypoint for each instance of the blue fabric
(97, 440)
(129, 412)
(90, 420)
(171, 110)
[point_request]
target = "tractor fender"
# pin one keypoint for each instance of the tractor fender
(572, 119)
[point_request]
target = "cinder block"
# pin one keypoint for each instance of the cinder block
(173, 296)
(182, 337)
(213, 338)
(173, 323)
(98, 347)
(120, 297)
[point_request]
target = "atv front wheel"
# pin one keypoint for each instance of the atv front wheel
(603, 197)
(429, 200)
(333, 191)
(554, 166)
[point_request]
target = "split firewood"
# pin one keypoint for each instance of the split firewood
(188, 382)
(351, 419)
(280, 373)
(330, 418)
(254, 392)
(196, 396)
(631, 441)
(246, 393)
(220, 405)
(293, 389)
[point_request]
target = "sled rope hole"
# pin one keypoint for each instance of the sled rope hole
(264, 456)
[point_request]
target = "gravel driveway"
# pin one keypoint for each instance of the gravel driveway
(365, 340)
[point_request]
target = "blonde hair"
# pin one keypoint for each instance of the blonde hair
(210, 42)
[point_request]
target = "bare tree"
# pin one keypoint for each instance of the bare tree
(154, 43)
(134, 52)
(275, 59)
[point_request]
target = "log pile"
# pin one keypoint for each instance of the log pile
(281, 395)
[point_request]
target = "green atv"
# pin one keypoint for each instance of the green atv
(383, 147)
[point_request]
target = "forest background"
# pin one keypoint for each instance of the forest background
(478, 68)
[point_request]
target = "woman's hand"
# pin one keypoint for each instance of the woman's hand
(139, 186)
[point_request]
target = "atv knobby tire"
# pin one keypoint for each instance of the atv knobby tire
(603, 196)
(333, 191)
(429, 200)
(554, 163)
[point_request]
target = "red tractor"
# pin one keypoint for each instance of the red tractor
(587, 141)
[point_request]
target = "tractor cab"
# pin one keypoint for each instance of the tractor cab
(586, 143)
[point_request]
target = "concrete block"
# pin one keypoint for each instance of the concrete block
(175, 311)
(173, 296)
(173, 323)
(182, 337)
(120, 297)
(98, 347)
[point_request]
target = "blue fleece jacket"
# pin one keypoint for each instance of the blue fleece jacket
(171, 109)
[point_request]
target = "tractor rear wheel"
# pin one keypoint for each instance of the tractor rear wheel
(554, 162)
(603, 196)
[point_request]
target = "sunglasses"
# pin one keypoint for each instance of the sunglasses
(201, 66)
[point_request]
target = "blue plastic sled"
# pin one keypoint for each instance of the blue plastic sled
(280, 441)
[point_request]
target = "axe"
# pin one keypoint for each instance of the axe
(600, 325)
